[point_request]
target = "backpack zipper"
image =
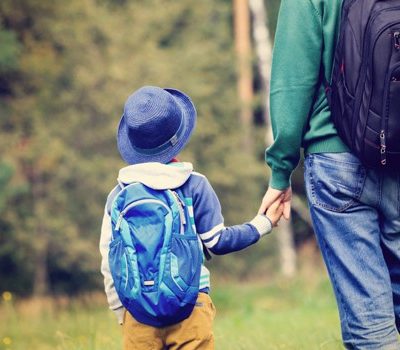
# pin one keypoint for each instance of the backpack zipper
(396, 37)
(127, 272)
(135, 204)
(382, 137)
(181, 205)
(385, 114)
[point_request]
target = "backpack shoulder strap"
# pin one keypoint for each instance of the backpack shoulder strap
(111, 196)
(206, 252)
(204, 248)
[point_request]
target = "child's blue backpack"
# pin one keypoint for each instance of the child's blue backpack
(155, 254)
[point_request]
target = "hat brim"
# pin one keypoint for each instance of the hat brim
(133, 156)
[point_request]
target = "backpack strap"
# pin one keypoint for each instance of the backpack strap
(111, 197)
(120, 183)
(206, 252)
(327, 83)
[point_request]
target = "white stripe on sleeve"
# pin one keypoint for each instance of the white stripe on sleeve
(206, 235)
(213, 242)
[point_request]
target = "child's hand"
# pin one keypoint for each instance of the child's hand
(275, 211)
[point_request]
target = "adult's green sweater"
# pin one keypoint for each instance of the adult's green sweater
(304, 47)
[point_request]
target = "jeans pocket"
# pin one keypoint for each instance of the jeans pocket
(334, 181)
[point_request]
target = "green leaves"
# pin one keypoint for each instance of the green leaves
(66, 69)
(10, 51)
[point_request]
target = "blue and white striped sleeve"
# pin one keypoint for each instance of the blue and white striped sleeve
(210, 223)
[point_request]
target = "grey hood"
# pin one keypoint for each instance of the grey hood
(156, 175)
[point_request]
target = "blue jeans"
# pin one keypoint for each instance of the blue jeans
(356, 217)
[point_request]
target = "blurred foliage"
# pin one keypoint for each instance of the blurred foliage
(66, 69)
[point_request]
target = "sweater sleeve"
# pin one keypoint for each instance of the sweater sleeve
(294, 81)
(210, 224)
(105, 238)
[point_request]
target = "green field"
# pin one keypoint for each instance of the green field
(278, 315)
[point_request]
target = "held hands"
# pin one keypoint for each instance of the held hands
(276, 203)
(275, 211)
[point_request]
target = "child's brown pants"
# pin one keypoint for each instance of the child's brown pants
(193, 333)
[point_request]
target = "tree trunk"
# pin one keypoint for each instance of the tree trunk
(245, 76)
(40, 277)
(287, 252)
(263, 50)
(40, 281)
(264, 58)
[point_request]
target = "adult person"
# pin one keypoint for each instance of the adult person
(355, 210)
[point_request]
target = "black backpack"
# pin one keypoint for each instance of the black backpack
(364, 95)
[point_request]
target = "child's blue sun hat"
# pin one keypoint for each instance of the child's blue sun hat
(156, 125)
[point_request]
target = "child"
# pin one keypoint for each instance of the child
(155, 126)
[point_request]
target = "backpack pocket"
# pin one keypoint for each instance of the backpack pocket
(122, 259)
(184, 273)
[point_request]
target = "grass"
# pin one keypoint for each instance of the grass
(280, 315)
(283, 316)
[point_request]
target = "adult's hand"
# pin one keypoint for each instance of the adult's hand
(272, 195)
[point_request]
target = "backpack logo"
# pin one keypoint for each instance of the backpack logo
(364, 94)
(155, 254)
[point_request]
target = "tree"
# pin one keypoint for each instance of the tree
(73, 65)
(264, 57)
(245, 76)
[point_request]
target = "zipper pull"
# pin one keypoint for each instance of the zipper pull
(119, 221)
(396, 37)
(179, 199)
(383, 147)
(181, 211)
